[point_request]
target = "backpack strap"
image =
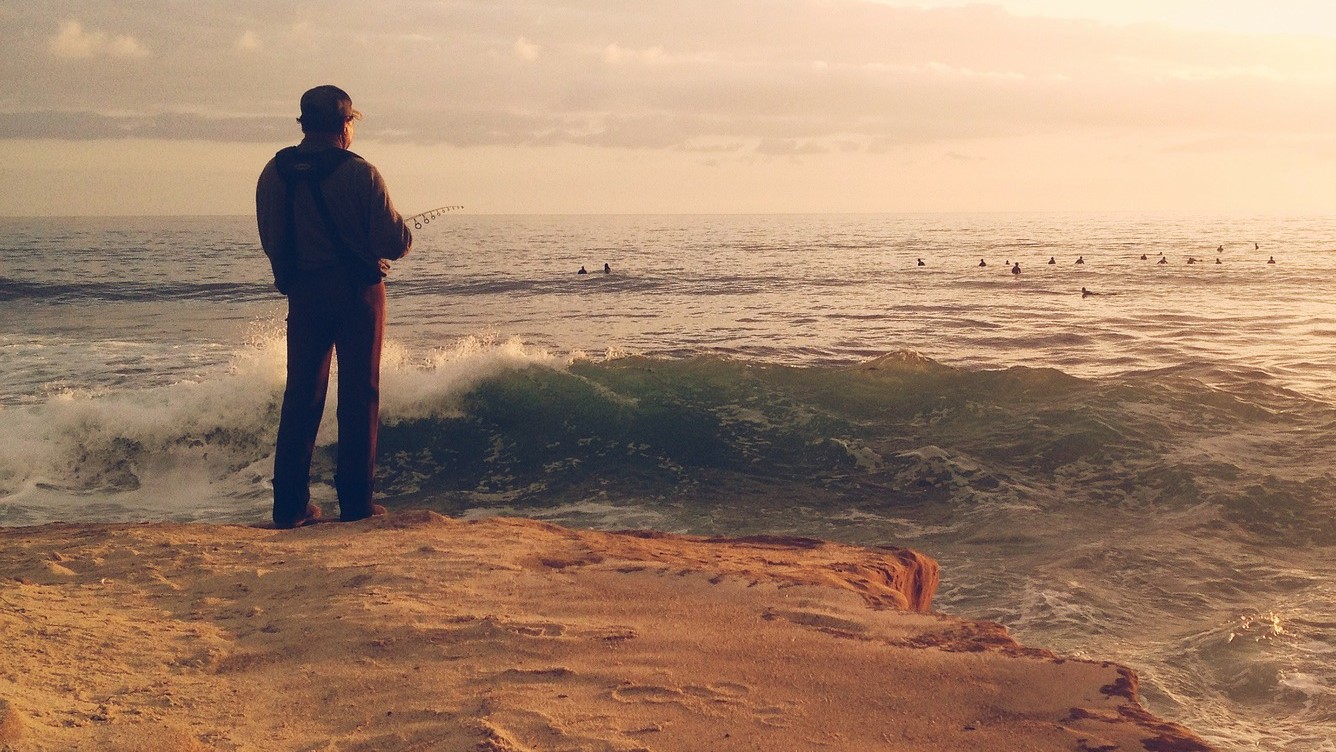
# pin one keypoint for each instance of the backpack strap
(311, 168)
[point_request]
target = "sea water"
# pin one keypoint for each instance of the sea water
(1141, 473)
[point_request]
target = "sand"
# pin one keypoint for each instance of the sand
(418, 632)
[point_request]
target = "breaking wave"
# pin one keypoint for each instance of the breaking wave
(482, 421)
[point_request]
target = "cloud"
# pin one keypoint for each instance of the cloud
(933, 68)
(789, 148)
(249, 41)
(833, 74)
(73, 42)
(92, 126)
(615, 54)
(526, 50)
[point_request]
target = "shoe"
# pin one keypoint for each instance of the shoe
(376, 511)
(310, 517)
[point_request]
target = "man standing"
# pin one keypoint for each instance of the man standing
(329, 229)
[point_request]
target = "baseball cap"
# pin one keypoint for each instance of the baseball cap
(325, 109)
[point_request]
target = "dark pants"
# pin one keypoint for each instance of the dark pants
(327, 313)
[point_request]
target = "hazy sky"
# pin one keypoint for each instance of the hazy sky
(594, 106)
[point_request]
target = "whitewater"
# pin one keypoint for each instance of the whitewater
(1141, 472)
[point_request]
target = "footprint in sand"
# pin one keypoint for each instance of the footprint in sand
(488, 627)
(774, 716)
(731, 689)
(542, 629)
(646, 693)
(537, 675)
(726, 694)
(823, 622)
(612, 635)
(719, 694)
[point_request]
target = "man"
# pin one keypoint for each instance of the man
(329, 229)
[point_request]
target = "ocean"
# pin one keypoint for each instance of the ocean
(1142, 473)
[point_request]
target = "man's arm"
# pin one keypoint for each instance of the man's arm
(270, 203)
(388, 234)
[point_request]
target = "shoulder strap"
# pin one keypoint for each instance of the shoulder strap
(295, 164)
(296, 167)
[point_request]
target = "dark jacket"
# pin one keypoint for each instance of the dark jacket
(359, 205)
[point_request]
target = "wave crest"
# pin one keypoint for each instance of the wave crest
(483, 419)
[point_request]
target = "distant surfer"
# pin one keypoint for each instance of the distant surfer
(1080, 259)
(1192, 260)
(1086, 293)
(1162, 260)
(1220, 248)
(1217, 261)
(982, 262)
(582, 271)
(1052, 260)
(1256, 247)
(607, 269)
(1271, 260)
(1016, 269)
(1143, 257)
(920, 263)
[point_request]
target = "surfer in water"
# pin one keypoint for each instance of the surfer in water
(1052, 260)
(607, 269)
(1080, 259)
(583, 270)
(982, 262)
(920, 263)
(1016, 269)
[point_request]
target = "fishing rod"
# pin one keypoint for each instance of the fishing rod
(422, 218)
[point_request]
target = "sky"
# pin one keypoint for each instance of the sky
(153, 107)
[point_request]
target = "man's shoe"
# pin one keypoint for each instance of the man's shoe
(311, 516)
(376, 511)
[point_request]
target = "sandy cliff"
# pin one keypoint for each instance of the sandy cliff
(418, 632)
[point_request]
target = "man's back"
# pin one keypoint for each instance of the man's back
(359, 208)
